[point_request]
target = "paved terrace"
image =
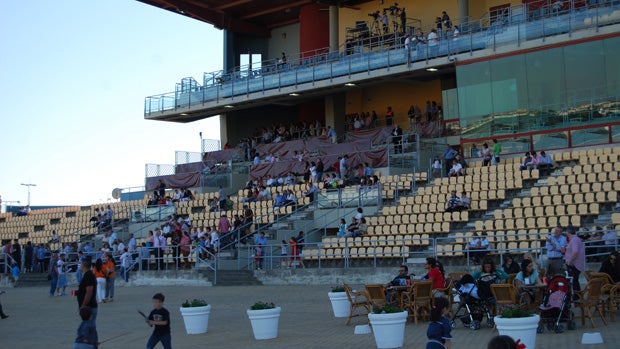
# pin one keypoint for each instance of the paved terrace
(306, 322)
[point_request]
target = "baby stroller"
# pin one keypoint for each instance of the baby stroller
(472, 305)
(556, 305)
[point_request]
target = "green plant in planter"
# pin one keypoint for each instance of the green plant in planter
(387, 309)
(194, 303)
(337, 289)
(262, 306)
(515, 312)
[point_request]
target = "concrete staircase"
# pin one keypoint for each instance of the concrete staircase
(33, 280)
(290, 225)
(236, 278)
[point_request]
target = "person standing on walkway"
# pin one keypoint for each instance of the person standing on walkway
(109, 265)
(53, 274)
(87, 337)
(575, 257)
(125, 264)
(61, 270)
(448, 157)
(87, 291)
(556, 247)
(160, 319)
(497, 149)
(99, 271)
(260, 241)
(2, 314)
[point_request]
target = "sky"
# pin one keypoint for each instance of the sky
(73, 78)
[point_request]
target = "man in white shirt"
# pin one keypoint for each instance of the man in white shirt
(343, 166)
(112, 238)
(120, 248)
(157, 248)
(131, 245)
(215, 240)
(432, 38)
(456, 170)
(125, 264)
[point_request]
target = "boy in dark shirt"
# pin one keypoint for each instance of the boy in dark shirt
(87, 332)
(160, 318)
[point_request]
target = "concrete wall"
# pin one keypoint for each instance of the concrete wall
(328, 277)
(283, 39)
(400, 95)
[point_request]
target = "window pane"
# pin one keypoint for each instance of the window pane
(545, 79)
(590, 136)
(474, 92)
(612, 68)
(584, 65)
(550, 141)
(615, 134)
(509, 86)
(515, 145)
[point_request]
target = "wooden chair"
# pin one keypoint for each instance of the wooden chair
(511, 278)
(613, 303)
(457, 275)
(447, 291)
(419, 297)
(357, 300)
(592, 297)
(375, 294)
(505, 295)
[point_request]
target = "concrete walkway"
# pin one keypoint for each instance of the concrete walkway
(37, 321)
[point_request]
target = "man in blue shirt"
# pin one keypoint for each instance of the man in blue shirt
(280, 200)
(545, 163)
(260, 240)
(556, 247)
(448, 157)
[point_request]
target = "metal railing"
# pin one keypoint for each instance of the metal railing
(519, 25)
(400, 249)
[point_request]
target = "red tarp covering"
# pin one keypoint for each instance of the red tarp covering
(181, 180)
(223, 155)
(375, 158)
(285, 150)
(188, 168)
(373, 136)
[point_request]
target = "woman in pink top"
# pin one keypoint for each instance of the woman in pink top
(575, 257)
(185, 246)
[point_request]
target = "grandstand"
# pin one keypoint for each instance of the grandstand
(522, 72)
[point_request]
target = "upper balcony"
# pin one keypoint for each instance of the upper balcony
(371, 59)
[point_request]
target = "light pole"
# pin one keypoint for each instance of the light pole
(201, 150)
(29, 185)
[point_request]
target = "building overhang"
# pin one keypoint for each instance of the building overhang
(294, 95)
(253, 17)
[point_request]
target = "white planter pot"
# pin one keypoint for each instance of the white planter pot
(388, 329)
(196, 319)
(265, 322)
(340, 303)
(519, 328)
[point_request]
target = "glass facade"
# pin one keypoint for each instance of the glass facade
(557, 88)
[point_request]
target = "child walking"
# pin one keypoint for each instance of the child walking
(87, 332)
(283, 253)
(438, 332)
(160, 318)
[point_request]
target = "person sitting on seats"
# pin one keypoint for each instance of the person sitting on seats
(454, 203)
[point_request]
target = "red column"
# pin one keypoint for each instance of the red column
(313, 28)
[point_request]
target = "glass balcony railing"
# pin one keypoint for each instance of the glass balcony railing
(520, 24)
